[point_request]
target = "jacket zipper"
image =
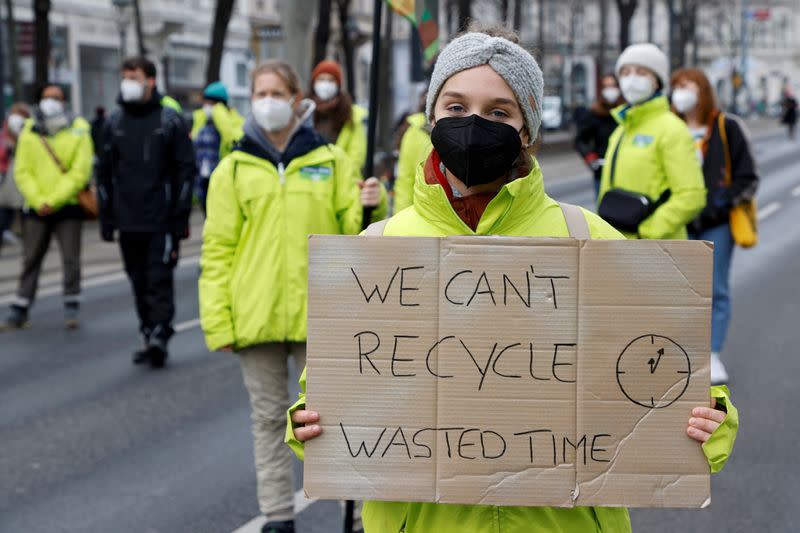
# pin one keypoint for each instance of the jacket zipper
(282, 173)
(282, 177)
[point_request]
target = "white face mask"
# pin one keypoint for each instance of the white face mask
(131, 90)
(15, 123)
(272, 114)
(684, 100)
(636, 88)
(326, 89)
(51, 107)
(610, 94)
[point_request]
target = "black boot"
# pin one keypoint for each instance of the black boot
(286, 526)
(17, 318)
(142, 356)
(157, 355)
(157, 350)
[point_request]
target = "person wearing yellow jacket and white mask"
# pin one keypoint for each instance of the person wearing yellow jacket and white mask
(282, 183)
(485, 98)
(53, 165)
(651, 154)
(414, 148)
(215, 130)
(336, 117)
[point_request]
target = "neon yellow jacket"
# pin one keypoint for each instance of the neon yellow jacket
(229, 124)
(253, 284)
(39, 178)
(353, 137)
(650, 152)
(522, 209)
(168, 101)
(415, 147)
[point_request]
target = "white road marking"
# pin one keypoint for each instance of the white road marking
(254, 525)
(186, 326)
(796, 191)
(768, 210)
(96, 281)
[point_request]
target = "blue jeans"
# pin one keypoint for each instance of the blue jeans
(721, 303)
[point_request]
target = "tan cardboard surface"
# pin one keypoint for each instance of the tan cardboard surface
(508, 371)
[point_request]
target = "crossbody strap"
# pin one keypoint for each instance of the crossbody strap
(726, 150)
(576, 221)
(53, 155)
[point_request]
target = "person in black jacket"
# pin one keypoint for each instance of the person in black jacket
(98, 124)
(597, 125)
(145, 171)
(789, 115)
(693, 100)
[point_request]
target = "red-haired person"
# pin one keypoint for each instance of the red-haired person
(336, 117)
(693, 100)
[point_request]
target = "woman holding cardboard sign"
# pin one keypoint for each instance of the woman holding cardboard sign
(482, 179)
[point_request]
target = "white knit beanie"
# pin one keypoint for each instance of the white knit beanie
(645, 55)
(512, 62)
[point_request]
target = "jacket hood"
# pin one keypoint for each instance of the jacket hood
(303, 140)
(629, 114)
(520, 198)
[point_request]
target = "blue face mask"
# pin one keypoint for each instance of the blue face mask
(475, 150)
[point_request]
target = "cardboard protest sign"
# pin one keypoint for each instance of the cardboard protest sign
(508, 371)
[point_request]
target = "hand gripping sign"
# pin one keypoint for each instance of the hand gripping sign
(508, 371)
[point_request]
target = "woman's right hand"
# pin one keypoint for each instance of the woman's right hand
(308, 427)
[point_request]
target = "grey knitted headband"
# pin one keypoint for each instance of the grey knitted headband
(512, 62)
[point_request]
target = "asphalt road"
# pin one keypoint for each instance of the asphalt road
(89, 443)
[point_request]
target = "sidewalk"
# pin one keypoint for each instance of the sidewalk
(97, 257)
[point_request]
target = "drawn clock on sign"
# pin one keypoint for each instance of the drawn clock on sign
(653, 371)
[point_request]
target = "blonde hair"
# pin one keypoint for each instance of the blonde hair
(281, 69)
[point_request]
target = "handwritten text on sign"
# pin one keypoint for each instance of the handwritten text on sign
(507, 371)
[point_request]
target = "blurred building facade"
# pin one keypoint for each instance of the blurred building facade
(85, 37)
(85, 42)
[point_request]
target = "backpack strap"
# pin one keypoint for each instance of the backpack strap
(576, 221)
(376, 229)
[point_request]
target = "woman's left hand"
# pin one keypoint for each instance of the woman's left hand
(370, 192)
(704, 421)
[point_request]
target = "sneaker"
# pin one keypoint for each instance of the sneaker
(17, 318)
(286, 526)
(71, 310)
(719, 376)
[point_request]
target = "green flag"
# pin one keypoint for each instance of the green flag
(422, 14)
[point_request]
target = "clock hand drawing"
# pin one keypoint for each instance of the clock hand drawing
(653, 371)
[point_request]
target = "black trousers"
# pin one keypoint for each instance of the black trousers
(150, 259)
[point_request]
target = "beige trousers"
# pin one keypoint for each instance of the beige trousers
(266, 377)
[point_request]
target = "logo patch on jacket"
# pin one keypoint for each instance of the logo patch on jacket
(642, 140)
(315, 173)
